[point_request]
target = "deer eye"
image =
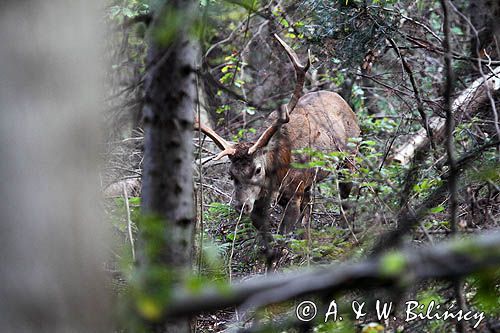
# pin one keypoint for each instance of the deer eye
(258, 170)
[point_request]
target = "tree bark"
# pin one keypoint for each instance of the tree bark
(167, 188)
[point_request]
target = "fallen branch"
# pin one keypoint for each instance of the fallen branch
(445, 261)
(466, 102)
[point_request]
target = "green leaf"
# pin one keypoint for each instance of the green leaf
(437, 209)
(457, 31)
(284, 23)
(370, 143)
(226, 78)
(392, 264)
(134, 200)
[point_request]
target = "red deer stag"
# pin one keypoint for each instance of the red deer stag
(261, 170)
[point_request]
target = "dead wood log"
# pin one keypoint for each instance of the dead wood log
(467, 102)
(444, 261)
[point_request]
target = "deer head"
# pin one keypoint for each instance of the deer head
(251, 164)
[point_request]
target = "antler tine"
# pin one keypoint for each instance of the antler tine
(229, 151)
(284, 111)
(300, 72)
(268, 134)
(226, 147)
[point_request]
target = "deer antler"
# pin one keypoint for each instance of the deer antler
(226, 147)
(300, 72)
(284, 111)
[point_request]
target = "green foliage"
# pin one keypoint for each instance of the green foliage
(426, 185)
(213, 271)
(438, 224)
(119, 221)
(230, 70)
(437, 209)
(325, 160)
(130, 60)
(392, 264)
(218, 211)
(152, 291)
(487, 292)
(327, 245)
(149, 288)
(490, 172)
(222, 217)
(127, 9)
(376, 126)
(155, 238)
(242, 133)
(214, 261)
(355, 30)
(170, 22)
(425, 297)
(222, 109)
(344, 326)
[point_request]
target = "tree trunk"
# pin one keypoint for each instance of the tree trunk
(52, 237)
(167, 188)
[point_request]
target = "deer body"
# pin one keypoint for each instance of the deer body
(261, 170)
(321, 121)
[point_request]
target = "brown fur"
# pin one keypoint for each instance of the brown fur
(322, 121)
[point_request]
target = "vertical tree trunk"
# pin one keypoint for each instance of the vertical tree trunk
(51, 235)
(170, 91)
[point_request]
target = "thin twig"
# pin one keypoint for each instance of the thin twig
(420, 105)
(342, 212)
(230, 264)
(129, 221)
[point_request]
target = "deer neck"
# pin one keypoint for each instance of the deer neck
(277, 159)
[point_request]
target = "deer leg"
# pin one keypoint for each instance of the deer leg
(346, 187)
(260, 220)
(291, 215)
(305, 208)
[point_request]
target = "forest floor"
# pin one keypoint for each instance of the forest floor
(334, 237)
(332, 240)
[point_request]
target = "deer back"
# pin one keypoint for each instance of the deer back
(322, 121)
